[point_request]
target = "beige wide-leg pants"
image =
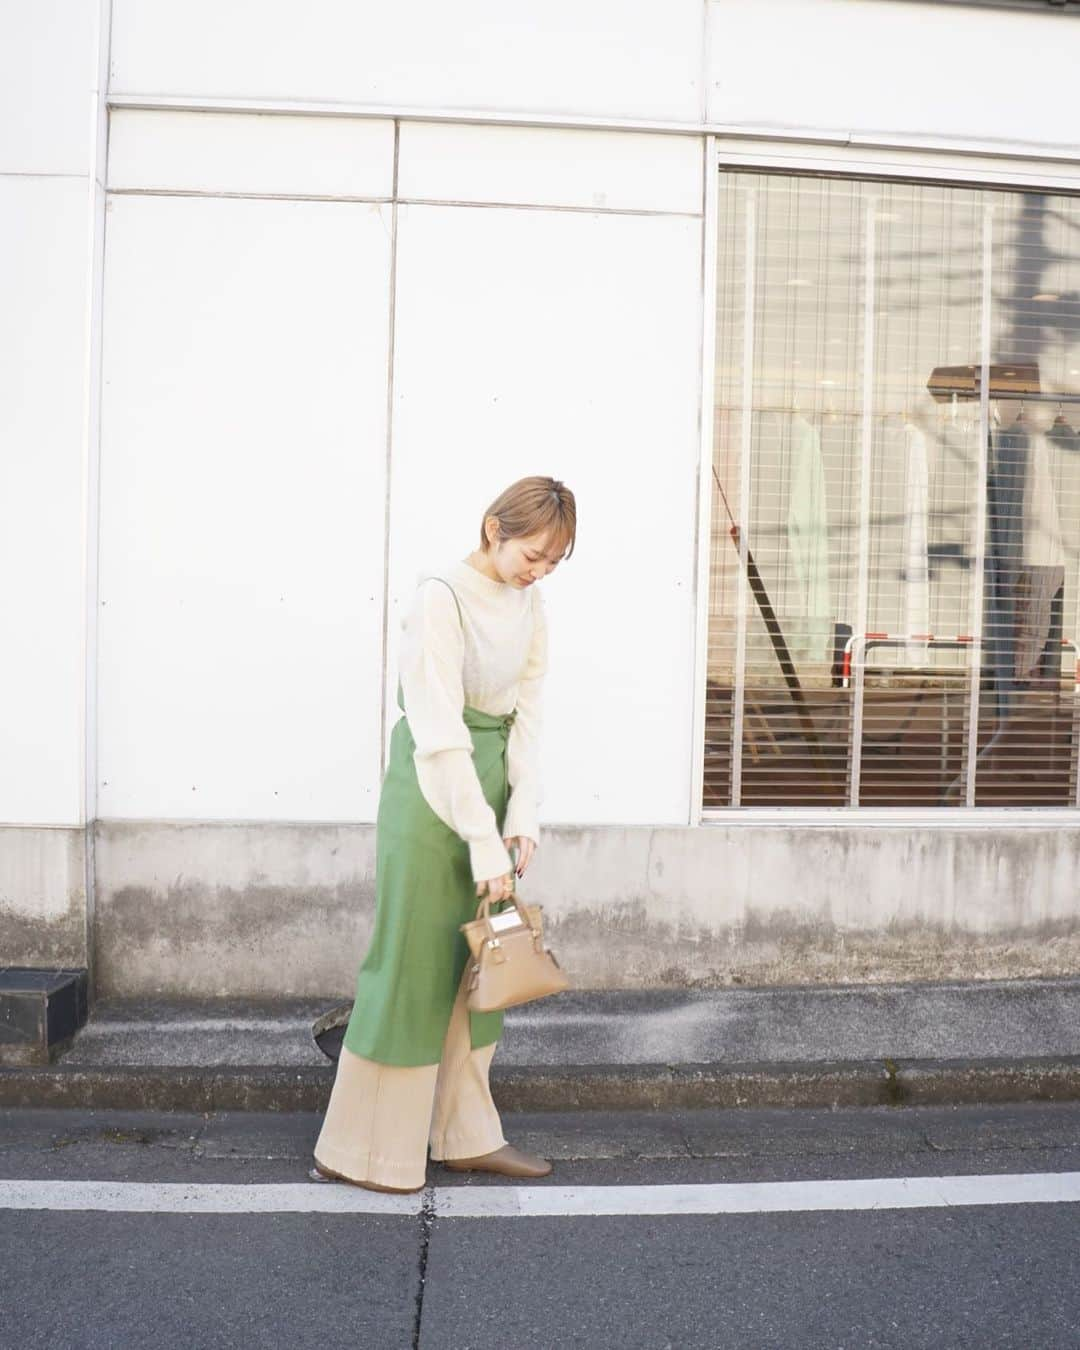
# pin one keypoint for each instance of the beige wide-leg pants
(382, 1118)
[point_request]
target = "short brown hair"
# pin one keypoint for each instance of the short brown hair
(532, 506)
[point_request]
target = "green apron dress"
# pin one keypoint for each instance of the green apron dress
(424, 889)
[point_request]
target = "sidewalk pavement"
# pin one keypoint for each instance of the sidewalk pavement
(820, 1046)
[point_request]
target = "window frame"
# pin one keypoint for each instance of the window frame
(899, 163)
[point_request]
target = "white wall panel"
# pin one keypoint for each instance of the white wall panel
(619, 58)
(540, 167)
(48, 68)
(238, 153)
(869, 66)
(44, 280)
(243, 496)
(564, 343)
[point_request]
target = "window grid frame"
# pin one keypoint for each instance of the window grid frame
(736, 812)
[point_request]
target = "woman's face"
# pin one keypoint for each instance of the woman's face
(522, 562)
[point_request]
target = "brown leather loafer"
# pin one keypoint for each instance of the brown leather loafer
(367, 1185)
(508, 1161)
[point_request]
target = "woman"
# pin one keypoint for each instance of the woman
(460, 791)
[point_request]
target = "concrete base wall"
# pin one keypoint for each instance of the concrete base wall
(42, 896)
(208, 909)
(287, 910)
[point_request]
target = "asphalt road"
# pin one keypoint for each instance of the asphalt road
(997, 1269)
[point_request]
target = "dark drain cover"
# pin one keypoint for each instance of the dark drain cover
(41, 1010)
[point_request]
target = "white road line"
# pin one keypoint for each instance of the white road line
(505, 1202)
(759, 1197)
(181, 1197)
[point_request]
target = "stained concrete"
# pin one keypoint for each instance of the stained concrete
(218, 909)
(43, 907)
(265, 910)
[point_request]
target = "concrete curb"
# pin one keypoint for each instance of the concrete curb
(852, 1083)
(611, 1087)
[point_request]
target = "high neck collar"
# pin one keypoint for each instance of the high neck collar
(484, 584)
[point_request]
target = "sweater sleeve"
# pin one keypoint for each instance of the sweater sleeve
(523, 748)
(431, 658)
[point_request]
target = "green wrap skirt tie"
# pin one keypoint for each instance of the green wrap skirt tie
(424, 889)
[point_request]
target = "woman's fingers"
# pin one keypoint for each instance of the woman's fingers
(525, 849)
(498, 888)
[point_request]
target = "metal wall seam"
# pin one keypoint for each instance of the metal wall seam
(389, 461)
(723, 132)
(216, 194)
(703, 570)
(91, 486)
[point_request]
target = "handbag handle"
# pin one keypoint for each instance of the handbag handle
(483, 912)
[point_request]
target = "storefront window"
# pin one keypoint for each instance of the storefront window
(895, 555)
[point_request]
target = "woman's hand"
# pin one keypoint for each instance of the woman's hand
(525, 846)
(498, 887)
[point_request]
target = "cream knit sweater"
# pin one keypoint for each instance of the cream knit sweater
(492, 659)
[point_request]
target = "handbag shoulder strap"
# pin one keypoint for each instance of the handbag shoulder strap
(453, 593)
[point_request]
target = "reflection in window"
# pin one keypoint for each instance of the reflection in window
(894, 598)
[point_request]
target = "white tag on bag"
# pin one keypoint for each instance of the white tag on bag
(509, 918)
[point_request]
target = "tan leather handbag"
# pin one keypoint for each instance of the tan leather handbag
(510, 963)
